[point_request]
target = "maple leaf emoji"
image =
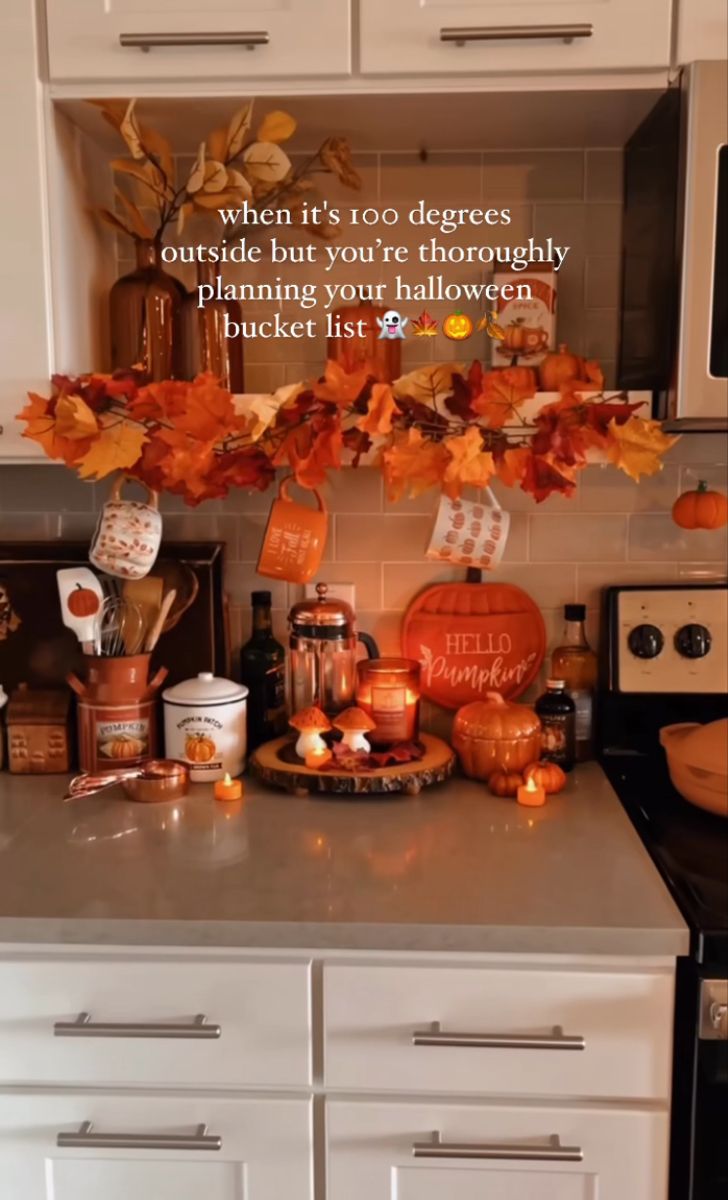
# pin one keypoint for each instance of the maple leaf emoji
(489, 323)
(425, 325)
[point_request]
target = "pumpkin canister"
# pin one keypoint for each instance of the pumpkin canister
(117, 712)
(205, 726)
(494, 735)
(474, 638)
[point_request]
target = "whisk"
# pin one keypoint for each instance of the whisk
(120, 628)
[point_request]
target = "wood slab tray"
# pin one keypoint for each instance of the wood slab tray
(434, 767)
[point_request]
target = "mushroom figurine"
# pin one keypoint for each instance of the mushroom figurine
(354, 723)
(310, 723)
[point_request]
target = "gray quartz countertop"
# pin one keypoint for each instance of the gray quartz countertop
(453, 869)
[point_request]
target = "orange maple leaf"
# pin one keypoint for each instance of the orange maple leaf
(413, 464)
(637, 446)
(511, 467)
(503, 394)
(188, 462)
(380, 410)
(117, 447)
(469, 462)
(339, 386)
(41, 428)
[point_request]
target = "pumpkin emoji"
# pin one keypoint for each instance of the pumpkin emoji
(457, 326)
(701, 509)
(505, 783)
(82, 602)
(199, 748)
(547, 775)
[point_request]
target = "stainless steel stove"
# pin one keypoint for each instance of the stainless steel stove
(665, 660)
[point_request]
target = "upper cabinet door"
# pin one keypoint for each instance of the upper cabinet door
(157, 40)
(515, 36)
(702, 30)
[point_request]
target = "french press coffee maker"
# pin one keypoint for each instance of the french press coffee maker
(323, 641)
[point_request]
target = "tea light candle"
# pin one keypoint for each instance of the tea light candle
(315, 759)
(228, 789)
(531, 795)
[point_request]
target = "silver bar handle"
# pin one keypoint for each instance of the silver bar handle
(462, 34)
(83, 1026)
(85, 1139)
(557, 1040)
(146, 41)
(549, 1151)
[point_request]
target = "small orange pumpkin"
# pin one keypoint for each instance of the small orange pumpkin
(457, 326)
(505, 783)
(558, 368)
(82, 602)
(547, 775)
(701, 509)
(199, 748)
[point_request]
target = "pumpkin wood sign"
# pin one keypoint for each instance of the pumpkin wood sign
(474, 638)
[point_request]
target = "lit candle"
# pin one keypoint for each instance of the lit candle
(228, 789)
(315, 759)
(388, 691)
(531, 794)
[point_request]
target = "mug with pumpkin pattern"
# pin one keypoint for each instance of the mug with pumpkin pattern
(128, 534)
(470, 533)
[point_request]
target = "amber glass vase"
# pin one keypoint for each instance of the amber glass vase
(145, 310)
(204, 346)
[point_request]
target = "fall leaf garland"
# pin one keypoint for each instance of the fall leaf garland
(440, 426)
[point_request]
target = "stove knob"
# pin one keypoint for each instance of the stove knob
(645, 641)
(693, 641)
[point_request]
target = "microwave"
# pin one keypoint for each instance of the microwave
(674, 312)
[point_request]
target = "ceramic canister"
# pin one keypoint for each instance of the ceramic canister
(204, 726)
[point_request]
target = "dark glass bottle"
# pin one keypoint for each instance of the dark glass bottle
(557, 713)
(263, 671)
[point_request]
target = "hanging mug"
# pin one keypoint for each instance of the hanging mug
(469, 532)
(128, 534)
(295, 537)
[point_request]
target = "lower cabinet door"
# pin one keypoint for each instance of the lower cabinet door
(154, 1148)
(380, 1151)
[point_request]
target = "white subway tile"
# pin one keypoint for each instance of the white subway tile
(656, 537)
(578, 538)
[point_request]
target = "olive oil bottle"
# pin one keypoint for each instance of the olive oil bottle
(263, 671)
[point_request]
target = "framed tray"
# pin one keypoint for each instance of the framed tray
(36, 647)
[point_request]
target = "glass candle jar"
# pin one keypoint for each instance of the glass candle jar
(388, 689)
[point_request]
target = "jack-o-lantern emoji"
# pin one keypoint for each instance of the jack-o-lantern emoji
(457, 326)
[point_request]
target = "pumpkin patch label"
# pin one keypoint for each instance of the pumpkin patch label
(471, 639)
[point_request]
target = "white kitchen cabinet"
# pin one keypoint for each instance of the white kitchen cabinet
(495, 36)
(702, 30)
(25, 327)
(265, 1148)
(380, 1151)
(240, 40)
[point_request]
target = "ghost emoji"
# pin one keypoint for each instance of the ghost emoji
(391, 325)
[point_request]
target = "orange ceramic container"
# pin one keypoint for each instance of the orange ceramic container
(493, 733)
(295, 537)
(117, 712)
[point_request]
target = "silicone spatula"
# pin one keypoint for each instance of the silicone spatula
(81, 599)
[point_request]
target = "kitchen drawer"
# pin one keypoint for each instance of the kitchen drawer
(252, 1148)
(242, 40)
(542, 1032)
(262, 1010)
(407, 36)
(491, 1153)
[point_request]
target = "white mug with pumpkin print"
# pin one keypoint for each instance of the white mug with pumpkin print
(471, 533)
(128, 534)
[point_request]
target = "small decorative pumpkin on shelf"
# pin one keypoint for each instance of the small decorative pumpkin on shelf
(547, 775)
(701, 508)
(505, 783)
(559, 367)
(310, 723)
(494, 734)
(457, 326)
(354, 724)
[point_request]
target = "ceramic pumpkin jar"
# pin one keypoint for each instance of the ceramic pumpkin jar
(205, 726)
(495, 735)
(699, 509)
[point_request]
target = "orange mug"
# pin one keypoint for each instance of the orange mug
(295, 537)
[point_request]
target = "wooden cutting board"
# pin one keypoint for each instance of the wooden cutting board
(435, 767)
